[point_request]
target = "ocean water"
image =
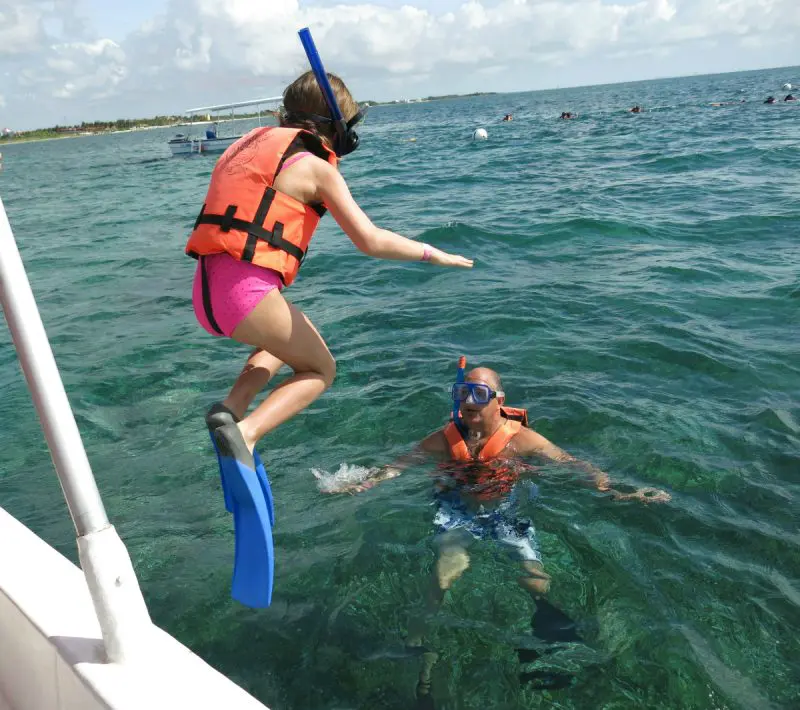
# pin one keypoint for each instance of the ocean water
(637, 286)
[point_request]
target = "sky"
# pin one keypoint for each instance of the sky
(67, 61)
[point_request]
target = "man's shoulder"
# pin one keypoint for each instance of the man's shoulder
(529, 441)
(435, 442)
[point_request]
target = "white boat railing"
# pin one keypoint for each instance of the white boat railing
(116, 596)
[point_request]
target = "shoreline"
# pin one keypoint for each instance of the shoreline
(370, 104)
(13, 141)
(92, 134)
(87, 134)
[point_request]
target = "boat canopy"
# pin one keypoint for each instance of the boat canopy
(238, 104)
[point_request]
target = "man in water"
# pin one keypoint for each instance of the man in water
(476, 499)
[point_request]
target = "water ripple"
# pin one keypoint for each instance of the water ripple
(636, 285)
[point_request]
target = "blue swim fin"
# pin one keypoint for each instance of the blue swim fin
(225, 492)
(216, 417)
(254, 559)
(263, 480)
(248, 497)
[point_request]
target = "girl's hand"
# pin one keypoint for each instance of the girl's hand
(442, 258)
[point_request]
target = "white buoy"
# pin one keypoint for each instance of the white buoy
(787, 86)
(480, 134)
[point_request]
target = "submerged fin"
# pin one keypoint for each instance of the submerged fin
(539, 679)
(553, 625)
(547, 680)
(530, 655)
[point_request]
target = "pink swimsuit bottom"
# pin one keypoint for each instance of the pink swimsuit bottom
(235, 287)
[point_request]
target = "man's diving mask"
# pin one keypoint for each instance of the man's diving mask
(476, 391)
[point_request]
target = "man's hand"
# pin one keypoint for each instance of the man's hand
(644, 495)
(602, 481)
(383, 474)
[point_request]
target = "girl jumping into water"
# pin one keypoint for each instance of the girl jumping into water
(266, 196)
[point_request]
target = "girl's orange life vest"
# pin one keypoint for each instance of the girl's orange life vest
(515, 419)
(245, 216)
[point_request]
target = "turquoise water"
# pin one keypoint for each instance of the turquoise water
(636, 285)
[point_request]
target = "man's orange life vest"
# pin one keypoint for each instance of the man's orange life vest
(485, 477)
(244, 216)
(515, 419)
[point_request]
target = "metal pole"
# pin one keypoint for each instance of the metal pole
(110, 577)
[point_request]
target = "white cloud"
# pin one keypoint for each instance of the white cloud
(92, 49)
(94, 69)
(19, 28)
(203, 51)
(25, 25)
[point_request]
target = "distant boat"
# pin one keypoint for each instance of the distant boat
(211, 142)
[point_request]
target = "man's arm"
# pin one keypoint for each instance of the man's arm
(434, 444)
(531, 443)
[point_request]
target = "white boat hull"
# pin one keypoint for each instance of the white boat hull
(201, 145)
(52, 655)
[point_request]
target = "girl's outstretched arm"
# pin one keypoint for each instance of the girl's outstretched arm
(373, 241)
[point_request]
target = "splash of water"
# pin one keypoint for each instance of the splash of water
(346, 476)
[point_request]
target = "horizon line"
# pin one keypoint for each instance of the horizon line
(517, 91)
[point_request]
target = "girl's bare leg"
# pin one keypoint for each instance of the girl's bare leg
(259, 369)
(282, 330)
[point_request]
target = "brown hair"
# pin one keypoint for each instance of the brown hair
(304, 96)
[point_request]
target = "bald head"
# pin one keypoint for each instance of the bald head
(484, 374)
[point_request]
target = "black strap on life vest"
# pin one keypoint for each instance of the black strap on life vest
(207, 297)
(255, 229)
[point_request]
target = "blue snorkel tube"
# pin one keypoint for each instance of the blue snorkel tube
(346, 139)
(462, 365)
(320, 73)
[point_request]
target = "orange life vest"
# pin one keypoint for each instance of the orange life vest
(515, 419)
(244, 216)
